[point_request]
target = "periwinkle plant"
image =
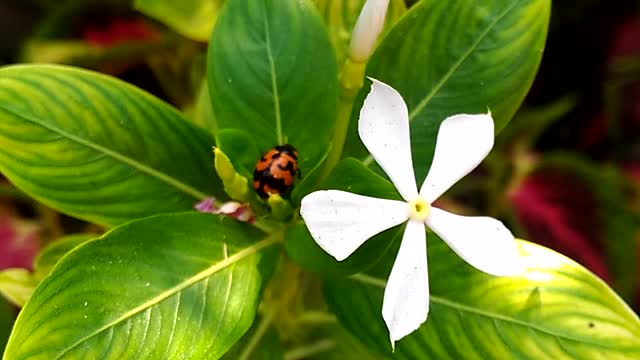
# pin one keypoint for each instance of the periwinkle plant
(243, 279)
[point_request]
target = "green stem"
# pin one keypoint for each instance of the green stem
(309, 350)
(266, 320)
(317, 318)
(351, 81)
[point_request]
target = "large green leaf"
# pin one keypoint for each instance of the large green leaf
(97, 148)
(556, 310)
(272, 73)
(191, 18)
(457, 56)
(170, 286)
(341, 15)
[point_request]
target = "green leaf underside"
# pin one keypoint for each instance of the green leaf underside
(17, 285)
(341, 16)
(556, 310)
(191, 18)
(97, 148)
(451, 57)
(272, 73)
(170, 286)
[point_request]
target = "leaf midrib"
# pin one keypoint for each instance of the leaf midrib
(379, 283)
(187, 189)
(219, 266)
(429, 96)
(274, 80)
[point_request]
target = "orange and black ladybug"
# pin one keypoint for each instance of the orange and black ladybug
(276, 171)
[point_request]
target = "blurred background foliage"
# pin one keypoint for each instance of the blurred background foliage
(565, 173)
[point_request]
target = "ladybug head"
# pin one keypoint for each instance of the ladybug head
(288, 149)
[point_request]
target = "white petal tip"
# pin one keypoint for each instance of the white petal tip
(396, 335)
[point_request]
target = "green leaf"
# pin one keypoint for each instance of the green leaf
(350, 175)
(7, 317)
(451, 57)
(200, 112)
(341, 15)
(177, 285)
(51, 254)
(555, 310)
(191, 18)
(272, 73)
(97, 148)
(241, 149)
(309, 181)
(17, 285)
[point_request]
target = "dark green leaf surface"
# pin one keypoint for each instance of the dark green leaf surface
(191, 18)
(7, 316)
(166, 287)
(97, 148)
(458, 56)
(341, 15)
(272, 74)
(556, 310)
(350, 175)
(241, 149)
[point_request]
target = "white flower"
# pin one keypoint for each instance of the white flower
(340, 222)
(367, 29)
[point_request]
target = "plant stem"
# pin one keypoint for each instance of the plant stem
(317, 318)
(351, 81)
(266, 320)
(309, 350)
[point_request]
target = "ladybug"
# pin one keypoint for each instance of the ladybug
(275, 172)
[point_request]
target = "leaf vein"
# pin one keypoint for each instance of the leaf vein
(376, 282)
(113, 154)
(274, 80)
(219, 266)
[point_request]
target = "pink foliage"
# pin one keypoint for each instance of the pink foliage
(557, 210)
(19, 242)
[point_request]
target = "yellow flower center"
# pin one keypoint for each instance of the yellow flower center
(419, 209)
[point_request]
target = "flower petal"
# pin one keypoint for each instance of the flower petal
(483, 242)
(384, 130)
(340, 221)
(406, 297)
(463, 142)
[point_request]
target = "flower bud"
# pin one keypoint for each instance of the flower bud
(235, 185)
(368, 28)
